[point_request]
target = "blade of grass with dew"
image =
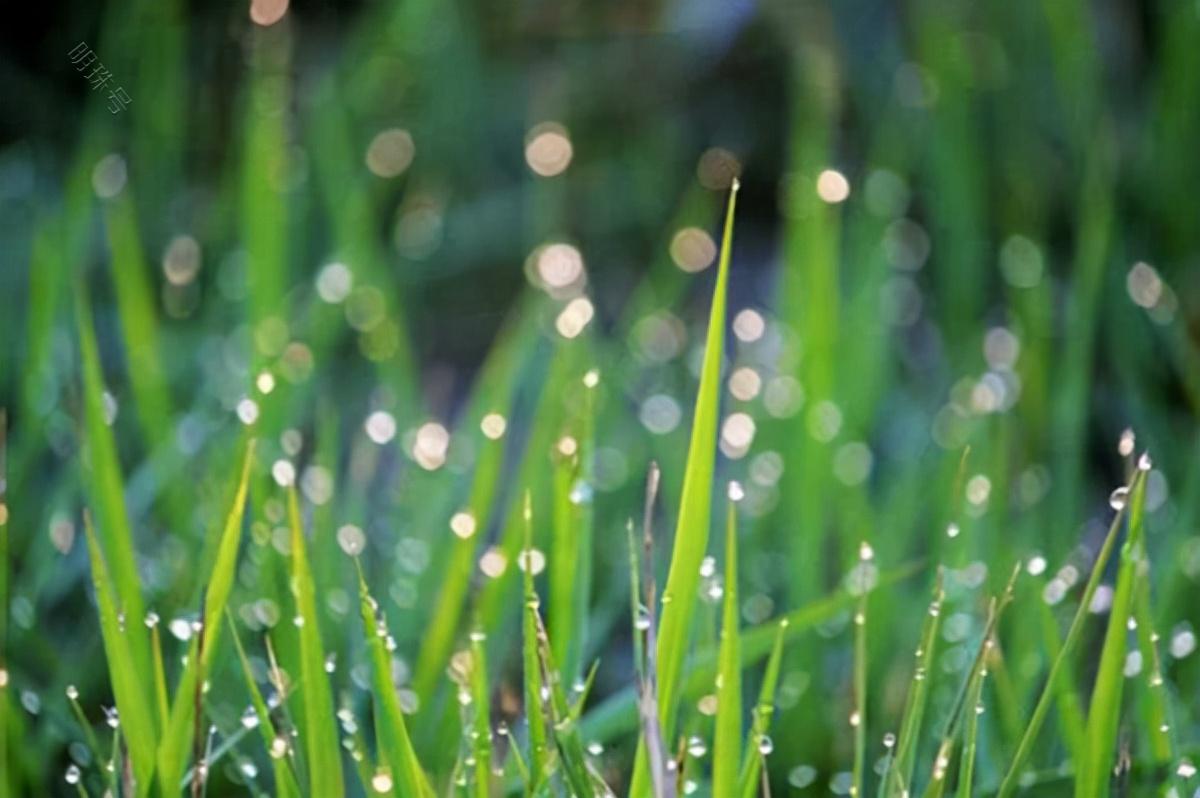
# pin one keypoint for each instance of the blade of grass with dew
(107, 497)
(1071, 720)
(727, 741)
(322, 745)
(534, 713)
(1155, 708)
(179, 731)
(481, 733)
(618, 713)
(128, 682)
(1093, 774)
(974, 705)
(1009, 783)
(564, 730)
(858, 715)
(898, 777)
(467, 526)
(760, 728)
(286, 785)
(695, 508)
(396, 745)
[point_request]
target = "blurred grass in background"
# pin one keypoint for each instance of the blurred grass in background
(394, 238)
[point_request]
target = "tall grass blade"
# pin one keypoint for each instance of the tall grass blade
(695, 508)
(727, 745)
(1011, 777)
(534, 712)
(481, 732)
(106, 493)
(565, 730)
(761, 726)
(286, 784)
(322, 747)
(858, 715)
(898, 778)
(396, 746)
(137, 720)
(178, 733)
(1093, 776)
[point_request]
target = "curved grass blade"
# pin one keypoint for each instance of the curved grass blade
(897, 780)
(761, 725)
(1093, 777)
(727, 744)
(1009, 783)
(695, 508)
(178, 733)
(107, 495)
(395, 744)
(286, 785)
(128, 685)
(322, 746)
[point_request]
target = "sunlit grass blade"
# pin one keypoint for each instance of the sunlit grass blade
(481, 731)
(161, 705)
(1011, 777)
(1155, 707)
(760, 728)
(858, 715)
(898, 777)
(286, 785)
(534, 712)
(1093, 774)
(321, 746)
(106, 492)
(727, 743)
(695, 508)
(128, 682)
(178, 733)
(395, 743)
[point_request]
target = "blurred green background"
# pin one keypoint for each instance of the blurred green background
(966, 260)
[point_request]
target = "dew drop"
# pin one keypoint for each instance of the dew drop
(1118, 498)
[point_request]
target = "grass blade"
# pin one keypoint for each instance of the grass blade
(322, 746)
(535, 716)
(761, 726)
(727, 744)
(1009, 784)
(179, 732)
(481, 698)
(106, 492)
(695, 508)
(898, 777)
(136, 716)
(858, 716)
(1093, 776)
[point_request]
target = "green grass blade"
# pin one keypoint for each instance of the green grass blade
(395, 743)
(481, 698)
(286, 785)
(974, 705)
(106, 493)
(761, 727)
(534, 713)
(322, 746)
(565, 730)
(1009, 784)
(695, 508)
(727, 744)
(1155, 709)
(858, 716)
(898, 777)
(179, 730)
(1093, 776)
(129, 688)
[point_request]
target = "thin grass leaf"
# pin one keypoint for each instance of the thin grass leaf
(727, 742)
(1155, 707)
(136, 715)
(106, 492)
(534, 713)
(966, 767)
(321, 746)
(179, 732)
(858, 716)
(1011, 777)
(1093, 776)
(761, 726)
(695, 508)
(481, 698)
(395, 744)
(1071, 720)
(898, 777)
(286, 784)
(564, 730)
